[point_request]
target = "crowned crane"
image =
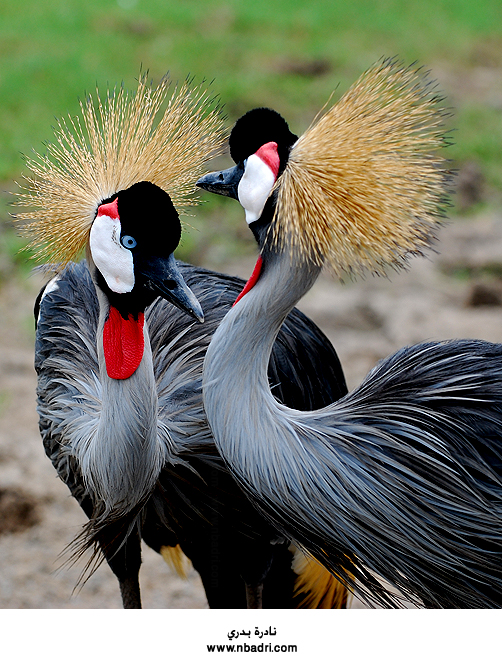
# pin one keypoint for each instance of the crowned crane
(119, 370)
(402, 478)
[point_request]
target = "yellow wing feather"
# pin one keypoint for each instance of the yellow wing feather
(315, 587)
(177, 561)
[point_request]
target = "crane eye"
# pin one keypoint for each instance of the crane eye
(128, 242)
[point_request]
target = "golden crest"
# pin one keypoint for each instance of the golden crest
(117, 141)
(365, 185)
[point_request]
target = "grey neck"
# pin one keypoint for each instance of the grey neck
(237, 395)
(122, 457)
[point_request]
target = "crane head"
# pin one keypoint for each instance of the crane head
(131, 243)
(155, 134)
(364, 188)
(259, 144)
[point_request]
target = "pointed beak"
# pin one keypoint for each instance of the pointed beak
(222, 182)
(165, 279)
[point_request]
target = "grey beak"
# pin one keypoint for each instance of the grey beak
(165, 279)
(222, 182)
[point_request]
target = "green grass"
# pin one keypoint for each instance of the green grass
(288, 54)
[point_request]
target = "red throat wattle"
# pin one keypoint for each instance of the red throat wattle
(123, 344)
(252, 280)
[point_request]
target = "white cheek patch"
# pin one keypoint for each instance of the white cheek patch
(114, 262)
(255, 187)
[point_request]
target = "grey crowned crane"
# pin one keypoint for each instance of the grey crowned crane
(402, 478)
(119, 370)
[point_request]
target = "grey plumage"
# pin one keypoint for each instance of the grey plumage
(193, 501)
(400, 478)
(126, 433)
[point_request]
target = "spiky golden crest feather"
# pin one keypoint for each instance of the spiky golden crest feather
(364, 185)
(114, 144)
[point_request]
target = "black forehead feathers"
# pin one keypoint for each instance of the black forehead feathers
(257, 127)
(147, 214)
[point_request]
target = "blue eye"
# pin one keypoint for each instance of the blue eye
(128, 242)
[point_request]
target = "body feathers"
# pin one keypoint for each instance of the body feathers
(401, 478)
(195, 503)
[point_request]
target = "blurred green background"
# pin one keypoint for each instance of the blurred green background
(288, 54)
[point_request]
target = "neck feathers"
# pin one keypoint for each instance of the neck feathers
(236, 387)
(121, 456)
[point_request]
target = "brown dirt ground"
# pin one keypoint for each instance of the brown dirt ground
(457, 293)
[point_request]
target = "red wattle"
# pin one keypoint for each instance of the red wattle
(123, 344)
(252, 280)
